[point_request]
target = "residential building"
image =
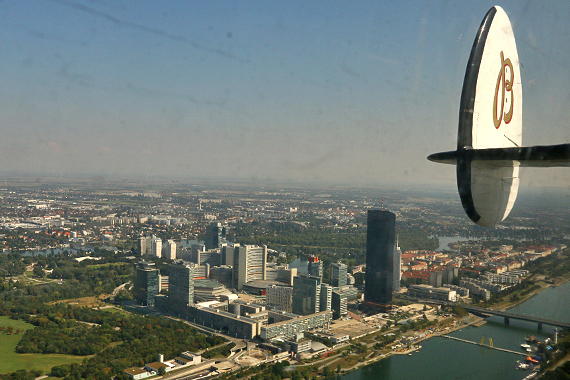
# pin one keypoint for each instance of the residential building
(436, 279)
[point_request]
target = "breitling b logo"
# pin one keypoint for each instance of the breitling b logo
(504, 93)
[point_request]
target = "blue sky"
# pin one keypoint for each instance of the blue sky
(343, 91)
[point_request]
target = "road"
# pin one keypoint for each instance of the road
(118, 289)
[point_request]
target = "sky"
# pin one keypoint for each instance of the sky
(345, 92)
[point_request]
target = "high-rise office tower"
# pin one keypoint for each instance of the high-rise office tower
(397, 267)
(315, 267)
(249, 264)
(436, 279)
(142, 245)
(306, 294)
(325, 298)
(380, 243)
(147, 283)
(227, 254)
(280, 296)
(156, 246)
(215, 236)
(170, 249)
(181, 283)
(339, 304)
(338, 277)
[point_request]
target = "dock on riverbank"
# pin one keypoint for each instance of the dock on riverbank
(484, 345)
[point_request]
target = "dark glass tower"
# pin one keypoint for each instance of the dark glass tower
(181, 283)
(306, 294)
(380, 240)
(215, 236)
(338, 278)
(147, 283)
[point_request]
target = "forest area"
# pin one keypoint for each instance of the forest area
(115, 339)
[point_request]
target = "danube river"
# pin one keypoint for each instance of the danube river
(441, 358)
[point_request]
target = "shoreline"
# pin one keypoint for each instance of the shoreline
(414, 348)
(535, 293)
(476, 322)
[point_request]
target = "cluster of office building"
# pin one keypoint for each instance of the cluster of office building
(294, 302)
(204, 281)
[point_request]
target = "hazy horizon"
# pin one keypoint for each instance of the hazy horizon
(342, 93)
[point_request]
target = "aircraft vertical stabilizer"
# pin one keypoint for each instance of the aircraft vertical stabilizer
(489, 139)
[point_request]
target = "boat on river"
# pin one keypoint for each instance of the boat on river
(523, 366)
(531, 339)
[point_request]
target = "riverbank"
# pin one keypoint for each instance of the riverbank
(458, 325)
(474, 321)
(550, 303)
(507, 305)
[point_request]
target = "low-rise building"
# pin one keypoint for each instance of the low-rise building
(156, 366)
(429, 292)
(288, 329)
(297, 346)
(191, 357)
(137, 373)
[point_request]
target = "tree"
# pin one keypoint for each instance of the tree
(60, 370)
(296, 375)
(38, 272)
(459, 311)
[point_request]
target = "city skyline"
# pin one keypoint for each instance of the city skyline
(351, 94)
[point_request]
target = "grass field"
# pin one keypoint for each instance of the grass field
(10, 361)
(82, 301)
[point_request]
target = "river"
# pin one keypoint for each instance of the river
(445, 240)
(301, 264)
(58, 251)
(441, 358)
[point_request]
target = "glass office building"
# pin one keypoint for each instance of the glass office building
(380, 243)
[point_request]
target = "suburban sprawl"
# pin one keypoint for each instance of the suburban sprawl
(128, 280)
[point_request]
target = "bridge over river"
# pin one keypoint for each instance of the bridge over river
(508, 316)
(481, 311)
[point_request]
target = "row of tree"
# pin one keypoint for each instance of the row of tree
(116, 340)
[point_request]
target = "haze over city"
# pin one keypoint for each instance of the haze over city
(339, 92)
